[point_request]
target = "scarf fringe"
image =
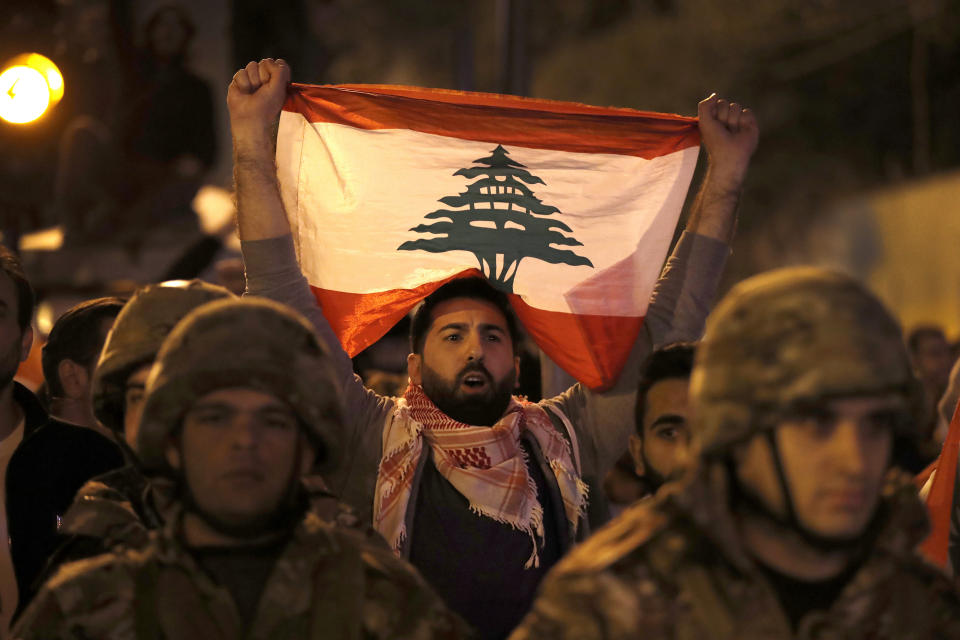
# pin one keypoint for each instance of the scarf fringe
(404, 448)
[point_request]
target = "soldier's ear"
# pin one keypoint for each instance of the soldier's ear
(414, 362)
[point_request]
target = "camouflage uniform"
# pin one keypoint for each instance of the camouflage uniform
(675, 567)
(120, 507)
(327, 581)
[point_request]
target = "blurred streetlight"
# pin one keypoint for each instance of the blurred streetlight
(30, 84)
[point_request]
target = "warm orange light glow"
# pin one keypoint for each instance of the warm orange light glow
(29, 85)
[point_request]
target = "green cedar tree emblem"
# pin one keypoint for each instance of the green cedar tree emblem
(515, 230)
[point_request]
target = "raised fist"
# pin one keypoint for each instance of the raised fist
(256, 96)
(729, 133)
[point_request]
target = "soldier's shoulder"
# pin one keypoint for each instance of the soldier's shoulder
(84, 584)
(621, 542)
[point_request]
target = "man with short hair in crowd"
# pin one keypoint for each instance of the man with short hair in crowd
(660, 448)
(20, 411)
(70, 356)
(793, 525)
(484, 527)
(242, 554)
(49, 467)
(931, 357)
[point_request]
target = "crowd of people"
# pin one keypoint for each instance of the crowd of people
(212, 467)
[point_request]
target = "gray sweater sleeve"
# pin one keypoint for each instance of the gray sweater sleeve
(273, 272)
(681, 300)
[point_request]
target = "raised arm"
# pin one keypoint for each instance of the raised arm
(254, 100)
(685, 291)
(730, 134)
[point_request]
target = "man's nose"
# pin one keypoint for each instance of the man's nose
(243, 432)
(474, 346)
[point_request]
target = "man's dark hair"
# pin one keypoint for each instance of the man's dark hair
(76, 336)
(10, 265)
(670, 361)
(474, 288)
(922, 332)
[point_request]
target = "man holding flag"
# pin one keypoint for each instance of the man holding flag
(482, 491)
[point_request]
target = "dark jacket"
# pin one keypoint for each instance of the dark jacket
(54, 460)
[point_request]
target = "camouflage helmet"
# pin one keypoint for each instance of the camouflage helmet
(251, 343)
(136, 336)
(788, 339)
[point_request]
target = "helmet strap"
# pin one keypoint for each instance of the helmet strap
(747, 498)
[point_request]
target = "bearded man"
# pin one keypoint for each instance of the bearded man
(481, 491)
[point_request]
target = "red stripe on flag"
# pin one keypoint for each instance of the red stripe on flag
(509, 120)
(940, 500)
(594, 347)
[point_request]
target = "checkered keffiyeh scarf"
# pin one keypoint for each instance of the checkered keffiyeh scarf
(486, 465)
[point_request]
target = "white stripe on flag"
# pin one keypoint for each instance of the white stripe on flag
(353, 195)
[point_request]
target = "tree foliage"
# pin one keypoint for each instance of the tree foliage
(499, 220)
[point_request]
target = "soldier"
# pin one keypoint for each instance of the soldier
(787, 529)
(241, 554)
(120, 506)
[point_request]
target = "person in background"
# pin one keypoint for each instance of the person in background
(20, 412)
(660, 447)
(931, 357)
(49, 467)
(932, 360)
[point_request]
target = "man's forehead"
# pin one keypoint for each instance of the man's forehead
(242, 397)
(669, 395)
(465, 309)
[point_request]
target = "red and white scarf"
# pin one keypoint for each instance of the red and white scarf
(486, 465)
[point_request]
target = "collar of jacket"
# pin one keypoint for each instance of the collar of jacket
(311, 541)
(171, 547)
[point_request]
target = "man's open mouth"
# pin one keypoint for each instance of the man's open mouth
(474, 380)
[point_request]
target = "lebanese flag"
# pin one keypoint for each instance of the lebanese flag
(568, 208)
(940, 497)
